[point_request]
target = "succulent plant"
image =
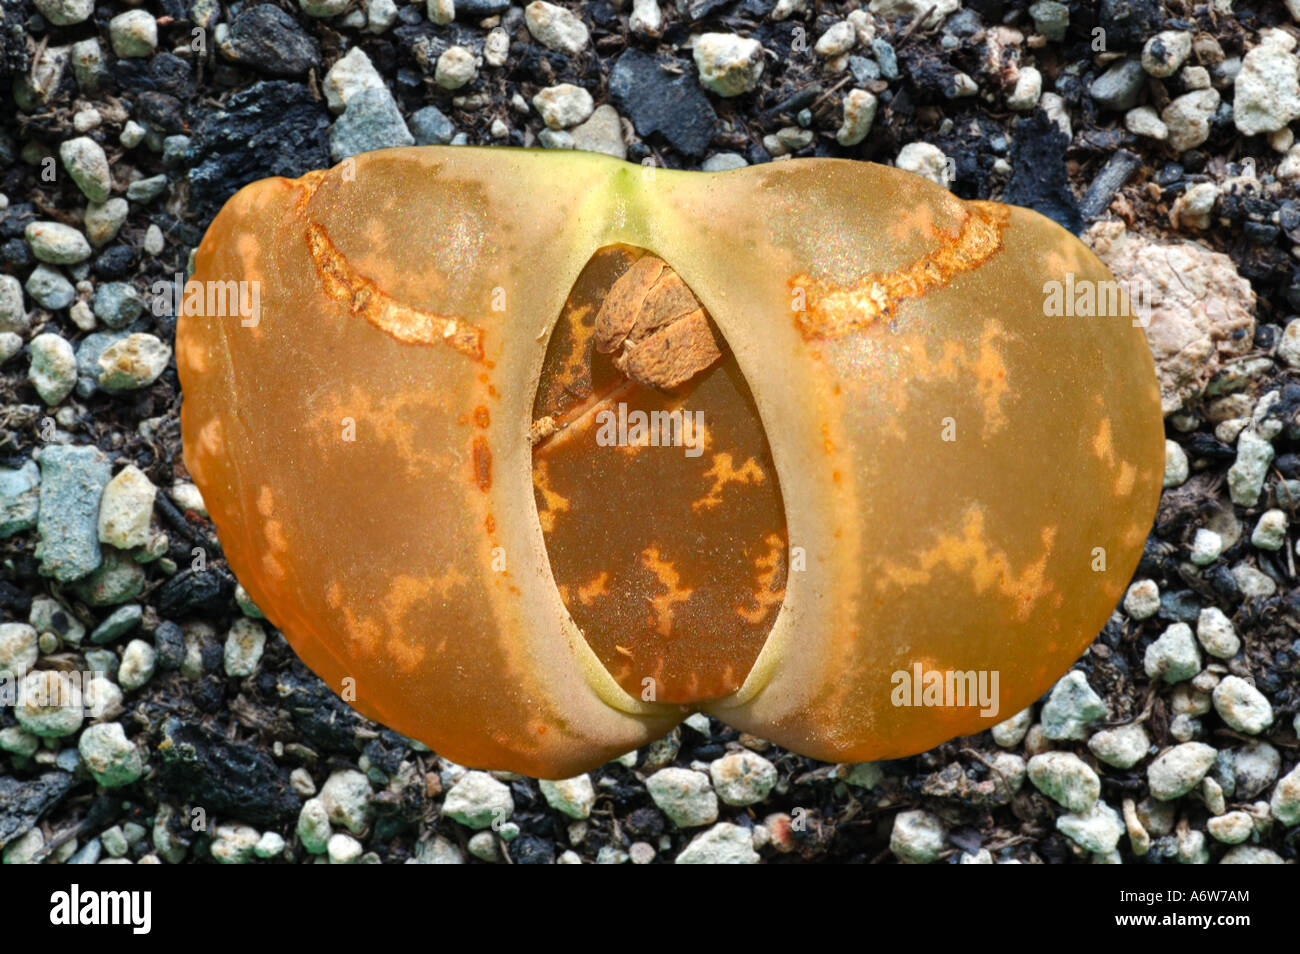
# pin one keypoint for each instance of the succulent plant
(882, 464)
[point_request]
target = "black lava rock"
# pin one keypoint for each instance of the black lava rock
(169, 645)
(114, 262)
(225, 777)
(161, 73)
(161, 112)
(645, 824)
(479, 9)
(272, 128)
(23, 803)
(1038, 178)
(1128, 23)
(267, 39)
(530, 850)
(325, 719)
(657, 101)
(203, 592)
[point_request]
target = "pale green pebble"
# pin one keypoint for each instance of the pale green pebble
(574, 797)
(137, 665)
(118, 623)
(19, 648)
(10, 344)
(234, 843)
(48, 705)
(132, 134)
(19, 741)
(314, 829)
(24, 849)
(153, 240)
(1251, 855)
(343, 849)
(1121, 747)
(114, 841)
(270, 845)
(1270, 531)
(1011, 732)
(244, 645)
(109, 755)
(917, 838)
(863, 774)
(1242, 706)
(103, 220)
(1097, 830)
(1142, 601)
(477, 800)
(53, 370)
(1206, 547)
(1072, 706)
(1232, 828)
(133, 34)
(1216, 634)
(1066, 779)
(246, 604)
(88, 166)
(119, 579)
(1174, 657)
(56, 244)
(1179, 770)
(146, 190)
(102, 660)
(484, 846)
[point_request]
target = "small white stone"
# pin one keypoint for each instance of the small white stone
(1215, 632)
(53, 370)
(838, 39)
(1122, 747)
(1145, 121)
(646, 19)
(1010, 732)
(728, 64)
(685, 796)
(1174, 657)
(556, 28)
(243, 649)
(1179, 770)
(723, 844)
(742, 778)
(1028, 89)
(574, 797)
(343, 849)
(137, 666)
(456, 67)
(441, 12)
(1270, 531)
(133, 34)
(918, 837)
(348, 76)
(924, 160)
(1142, 601)
(478, 800)
(563, 106)
(859, 115)
(126, 508)
(1207, 546)
(1242, 706)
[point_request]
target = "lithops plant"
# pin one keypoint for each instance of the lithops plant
(872, 451)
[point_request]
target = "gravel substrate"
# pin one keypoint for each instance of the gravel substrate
(1163, 132)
